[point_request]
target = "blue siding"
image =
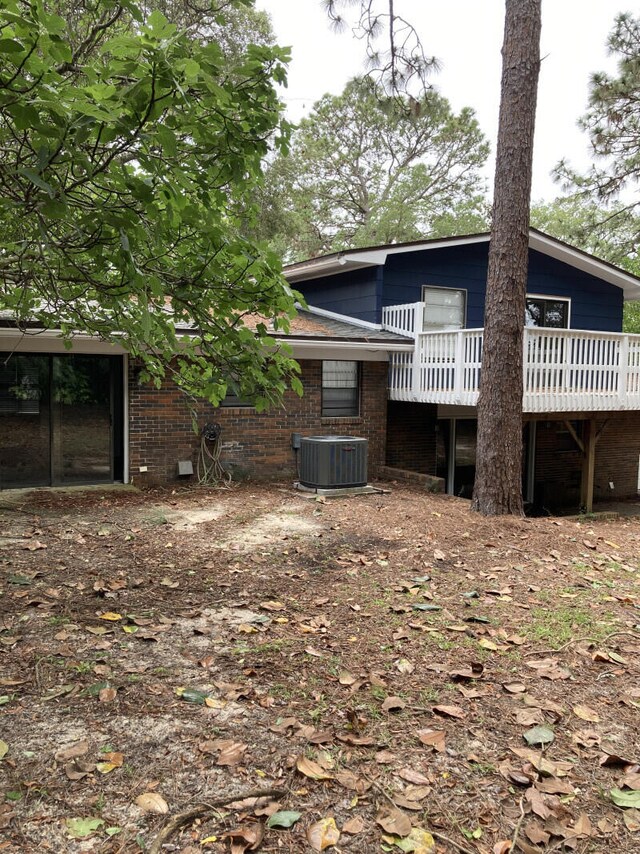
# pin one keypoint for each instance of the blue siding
(449, 267)
(595, 304)
(356, 294)
(362, 294)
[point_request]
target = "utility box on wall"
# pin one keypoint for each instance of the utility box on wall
(333, 462)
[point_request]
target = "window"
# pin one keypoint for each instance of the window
(231, 399)
(444, 308)
(340, 389)
(547, 312)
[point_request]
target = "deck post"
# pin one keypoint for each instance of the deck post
(588, 465)
(458, 380)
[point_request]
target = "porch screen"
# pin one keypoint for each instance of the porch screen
(340, 389)
(444, 308)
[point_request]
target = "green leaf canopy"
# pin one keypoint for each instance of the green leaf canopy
(130, 162)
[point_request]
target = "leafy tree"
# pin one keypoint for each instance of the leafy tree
(607, 204)
(612, 123)
(131, 152)
(609, 233)
(366, 168)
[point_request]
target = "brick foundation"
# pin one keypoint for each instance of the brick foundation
(411, 436)
(254, 445)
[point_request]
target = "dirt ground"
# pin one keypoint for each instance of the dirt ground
(387, 672)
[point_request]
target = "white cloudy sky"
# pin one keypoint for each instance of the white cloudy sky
(466, 36)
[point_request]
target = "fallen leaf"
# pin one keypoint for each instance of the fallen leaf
(537, 803)
(433, 738)
(247, 837)
(514, 687)
(413, 776)
(586, 714)
(231, 752)
(353, 826)
(284, 818)
(392, 704)
(312, 769)
(78, 828)
(403, 665)
(107, 695)
(152, 802)
(110, 615)
(539, 735)
(72, 751)
(624, 799)
(394, 821)
(631, 819)
(450, 711)
(323, 834)
(419, 841)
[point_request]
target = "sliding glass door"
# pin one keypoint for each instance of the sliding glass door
(57, 422)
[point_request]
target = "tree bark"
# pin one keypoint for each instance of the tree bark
(498, 482)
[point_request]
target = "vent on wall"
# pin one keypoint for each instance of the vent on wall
(333, 462)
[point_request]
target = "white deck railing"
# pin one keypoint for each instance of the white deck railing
(565, 370)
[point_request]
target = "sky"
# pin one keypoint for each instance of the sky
(466, 37)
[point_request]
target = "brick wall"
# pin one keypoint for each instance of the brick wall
(558, 468)
(256, 445)
(411, 436)
(559, 463)
(617, 454)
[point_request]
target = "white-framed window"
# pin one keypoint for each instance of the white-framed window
(340, 389)
(444, 308)
(547, 311)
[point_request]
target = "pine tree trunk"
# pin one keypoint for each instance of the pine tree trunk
(498, 482)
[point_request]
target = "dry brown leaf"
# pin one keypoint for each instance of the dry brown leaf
(502, 847)
(583, 826)
(514, 687)
(433, 738)
(392, 704)
(231, 752)
(417, 793)
(107, 695)
(413, 776)
(152, 802)
(73, 751)
(544, 766)
(536, 834)
(393, 821)
(586, 714)
(529, 717)
(351, 781)
(553, 786)
(353, 826)
(631, 819)
(312, 769)
(631, 780)
(76, 769)
(323, 834)
(247, 837)
(537, 802)
(271, 605)
(450, 711)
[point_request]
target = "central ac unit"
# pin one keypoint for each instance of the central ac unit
(333, 462)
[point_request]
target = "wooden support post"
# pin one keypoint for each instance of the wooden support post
(588, 464)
